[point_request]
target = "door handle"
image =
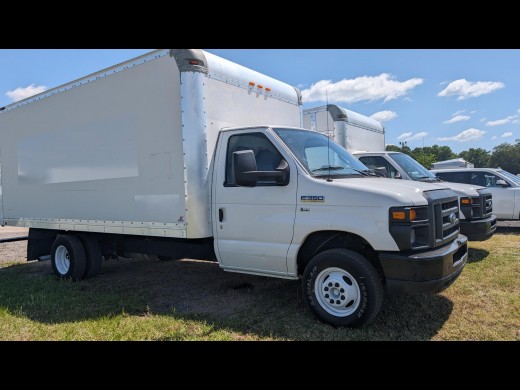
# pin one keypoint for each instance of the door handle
(220, 215)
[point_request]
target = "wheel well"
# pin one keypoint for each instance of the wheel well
(321, 241)
(40, 242)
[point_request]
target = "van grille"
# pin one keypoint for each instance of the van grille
(446, 217)
(482, 207)
(487, 205)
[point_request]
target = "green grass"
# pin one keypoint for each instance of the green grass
(192, 300)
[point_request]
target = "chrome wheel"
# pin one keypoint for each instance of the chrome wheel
(337, 292)
(62, 260)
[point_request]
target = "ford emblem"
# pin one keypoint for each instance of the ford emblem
(453, 218)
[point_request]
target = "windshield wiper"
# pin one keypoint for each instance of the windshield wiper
(373, 172)
(328, 168)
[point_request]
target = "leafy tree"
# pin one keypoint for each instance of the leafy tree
(479, 157)
(506, 156)
(393, 148)
(440, 153)
(445, 153)
(424, 159)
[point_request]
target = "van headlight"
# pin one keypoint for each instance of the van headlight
(410, 227)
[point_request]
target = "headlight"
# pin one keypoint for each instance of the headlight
(467, 204)
(408, 214)
(409, 227)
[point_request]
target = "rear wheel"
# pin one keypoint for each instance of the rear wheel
(68, 257)
(94, 257)
(342, 288)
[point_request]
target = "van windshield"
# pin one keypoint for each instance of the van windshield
(321, 156)
(415, 170)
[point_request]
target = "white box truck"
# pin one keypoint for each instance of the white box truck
(353, 131)
(183, 154)
(367, 142)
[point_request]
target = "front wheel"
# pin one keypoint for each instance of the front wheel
(342, 288)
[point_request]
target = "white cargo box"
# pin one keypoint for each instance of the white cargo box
(127, 149)
(354, 131)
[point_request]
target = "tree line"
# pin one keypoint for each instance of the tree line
(505, 156)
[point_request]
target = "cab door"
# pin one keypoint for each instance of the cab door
(253, 226)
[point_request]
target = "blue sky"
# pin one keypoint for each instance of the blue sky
(460, 98)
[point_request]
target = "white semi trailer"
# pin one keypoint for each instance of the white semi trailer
(183, 154)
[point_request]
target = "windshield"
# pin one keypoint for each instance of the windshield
(320, 155)
(510, 176)
(415, 170)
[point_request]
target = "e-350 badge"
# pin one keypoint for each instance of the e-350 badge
(312, 198)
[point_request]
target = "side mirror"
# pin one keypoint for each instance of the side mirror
(244, 163)
(502, 183)
(397, 176)
(246, 174)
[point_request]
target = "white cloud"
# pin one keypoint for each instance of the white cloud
(404, 136)
(457, 118)
(483, 119)
(501, 121)
(465, 136)
(23, 93)
(411, 136)
(465, 89)
(494, 137)
(507, 134)
(458, 113)
(384, 116)
(384, 86)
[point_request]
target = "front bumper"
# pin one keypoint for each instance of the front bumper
(480, 229)
(425, 272)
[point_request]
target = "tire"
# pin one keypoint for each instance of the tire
(94, 257)
(68, 257)
(342, 288)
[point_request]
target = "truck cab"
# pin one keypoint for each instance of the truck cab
(476, 203)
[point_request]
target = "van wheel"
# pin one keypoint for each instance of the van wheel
(94, 257)
(342, 288)
(68, 257)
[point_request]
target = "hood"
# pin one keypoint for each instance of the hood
(372, 191)
(463, 189)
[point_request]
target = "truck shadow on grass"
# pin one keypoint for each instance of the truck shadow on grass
(508, 229)
(475, 255)
(200, 291)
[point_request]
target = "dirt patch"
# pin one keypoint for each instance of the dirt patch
(13, 252)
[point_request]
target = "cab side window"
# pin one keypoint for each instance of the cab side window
(485, 179)
(267, 156)
(455, 177)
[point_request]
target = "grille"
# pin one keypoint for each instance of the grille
(487, 205)
(482, 207)
(446, 226)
